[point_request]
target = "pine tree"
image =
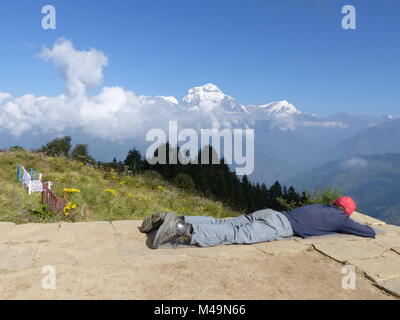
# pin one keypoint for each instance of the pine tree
(134, 161)
(275, 193)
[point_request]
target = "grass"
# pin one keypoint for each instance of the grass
(109, 196)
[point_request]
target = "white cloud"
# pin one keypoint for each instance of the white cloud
(326, 124)
(79, 69)
(113, 114)
(4, 96)
(118, 114)
(354, 162)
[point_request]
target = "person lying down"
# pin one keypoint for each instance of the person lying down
(259, 226)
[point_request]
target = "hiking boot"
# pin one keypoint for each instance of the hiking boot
(154, 221)
(173, 228)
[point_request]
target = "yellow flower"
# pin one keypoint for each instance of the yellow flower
(71, 190)
(112, 192)
(70, 206)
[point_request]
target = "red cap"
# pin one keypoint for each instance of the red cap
(347, 203)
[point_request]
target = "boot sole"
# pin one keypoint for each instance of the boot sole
(151, 223)
(168, 223)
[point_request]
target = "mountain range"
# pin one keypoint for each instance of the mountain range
(287, 140)
(372, 180)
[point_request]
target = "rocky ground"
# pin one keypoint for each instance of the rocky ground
(102, 260)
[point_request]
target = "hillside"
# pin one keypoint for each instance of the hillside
(377, 139)
(371, 180)
(128, 197)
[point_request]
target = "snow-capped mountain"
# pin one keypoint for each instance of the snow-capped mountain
(282, 115)
(208, 101)
(276, 108)
(363, 120)
(209, 98)
(159, 100)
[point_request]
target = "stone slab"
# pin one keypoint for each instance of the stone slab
(16, 257)
(5, 227)
(393, 287)
(388, 241)
(282, 247)
(329, 238)
(31, 233)
(217, 251)
(387, 229)
(380, 269)
(82, 231)
(346, 250)
(127, 227)
(128, 230)
(53, 256)
(105, 254)
(129, 250)
(132, 255)
(89, 253)
(364, 219)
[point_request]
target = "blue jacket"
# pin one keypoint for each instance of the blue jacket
(318, 219)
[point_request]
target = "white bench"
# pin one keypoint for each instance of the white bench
(32, 185)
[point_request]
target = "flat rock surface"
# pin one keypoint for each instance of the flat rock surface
(351, 250)
(5, 227)
(387, 229)
(282, 247)
(364, 219)
(112, 260)
(392, 287)
(16, 257)
(382, 268)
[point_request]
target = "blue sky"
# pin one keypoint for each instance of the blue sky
(256, 51)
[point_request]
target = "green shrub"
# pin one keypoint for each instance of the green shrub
(57, 147)
(324, 196)
(318, 196)
(16, 149)
(184, 181)
(153, 175)
(81, 153)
